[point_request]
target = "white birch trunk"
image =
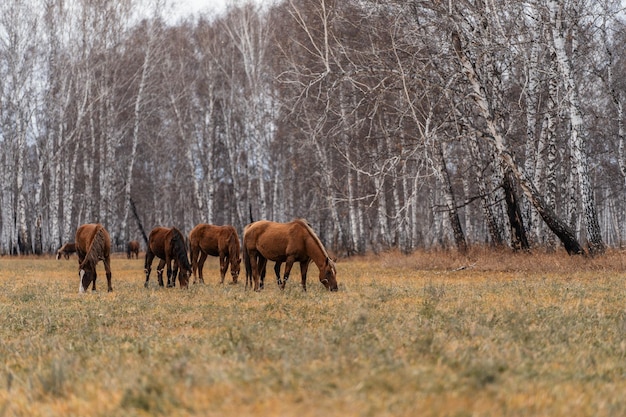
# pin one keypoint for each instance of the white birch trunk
(210, 168)
(137, 112)
(480, 97)
(578, 136)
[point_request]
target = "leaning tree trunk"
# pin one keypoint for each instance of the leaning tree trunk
(560, 228)
(578, 136)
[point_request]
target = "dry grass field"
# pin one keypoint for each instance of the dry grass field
(431, 334)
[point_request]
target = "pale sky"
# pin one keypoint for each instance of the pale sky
(183, 8)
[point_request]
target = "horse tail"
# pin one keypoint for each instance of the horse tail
(180, 249)
(246, 261)
(96, 247)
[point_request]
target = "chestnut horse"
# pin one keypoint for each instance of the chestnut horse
(93, 244)
(132, 248)
(286, 242)
(168, 244)
(222, 241)
(66, 250)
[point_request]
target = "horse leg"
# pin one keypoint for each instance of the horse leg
(193, 255)
(160, 271)
(107, 268)
(223, 266)
(304, 266)
(168, 263)
(277, 272)
(288, 266)
(148, 265)
(262, 271)
(200, 265)
(253, 257)
(174, 274)
(95, 275)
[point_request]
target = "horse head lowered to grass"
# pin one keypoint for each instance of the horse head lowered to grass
(93, 244)
(286, 243)
(168, 244)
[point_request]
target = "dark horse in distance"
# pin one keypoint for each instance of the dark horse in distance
(289, 243)
(93, 244)
(168, 244)
(66, 250)
(132, 248)
(222, 241)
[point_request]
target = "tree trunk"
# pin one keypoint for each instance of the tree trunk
(561, 229)
(578, 136)
(448, 193)
(519, 241)
(487, 201)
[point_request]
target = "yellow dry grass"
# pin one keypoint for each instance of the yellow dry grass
(430, 334)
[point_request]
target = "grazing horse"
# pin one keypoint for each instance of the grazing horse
(93, 244)
(132, 248)
(286, 242)
(66, 250)
(222, 241)
(168, 244)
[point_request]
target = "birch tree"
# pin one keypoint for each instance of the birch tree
(578, 134)
(19, 31)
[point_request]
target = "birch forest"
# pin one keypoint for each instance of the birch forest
(387, 124)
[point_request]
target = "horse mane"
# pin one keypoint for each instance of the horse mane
(96, 248)
(180, 248)
(308, 227)
(233, 243)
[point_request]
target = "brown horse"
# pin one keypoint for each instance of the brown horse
(93, 244)
(286, 242)
(222, 241)
(66, 250)
(132, 248)
(168, 244)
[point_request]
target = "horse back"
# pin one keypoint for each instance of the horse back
(275, 241)
(156, 241)
(92, 236)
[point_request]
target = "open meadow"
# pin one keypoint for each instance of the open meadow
(430, 334)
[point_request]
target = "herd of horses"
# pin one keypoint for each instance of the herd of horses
(263, 240)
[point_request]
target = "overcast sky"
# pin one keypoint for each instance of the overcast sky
(183, 8)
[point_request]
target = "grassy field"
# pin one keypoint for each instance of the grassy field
(431, 334)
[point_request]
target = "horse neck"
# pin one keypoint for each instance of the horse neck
(316, 251)
(181, 255)
(233, 247)
(95, 246)
(180, 252)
